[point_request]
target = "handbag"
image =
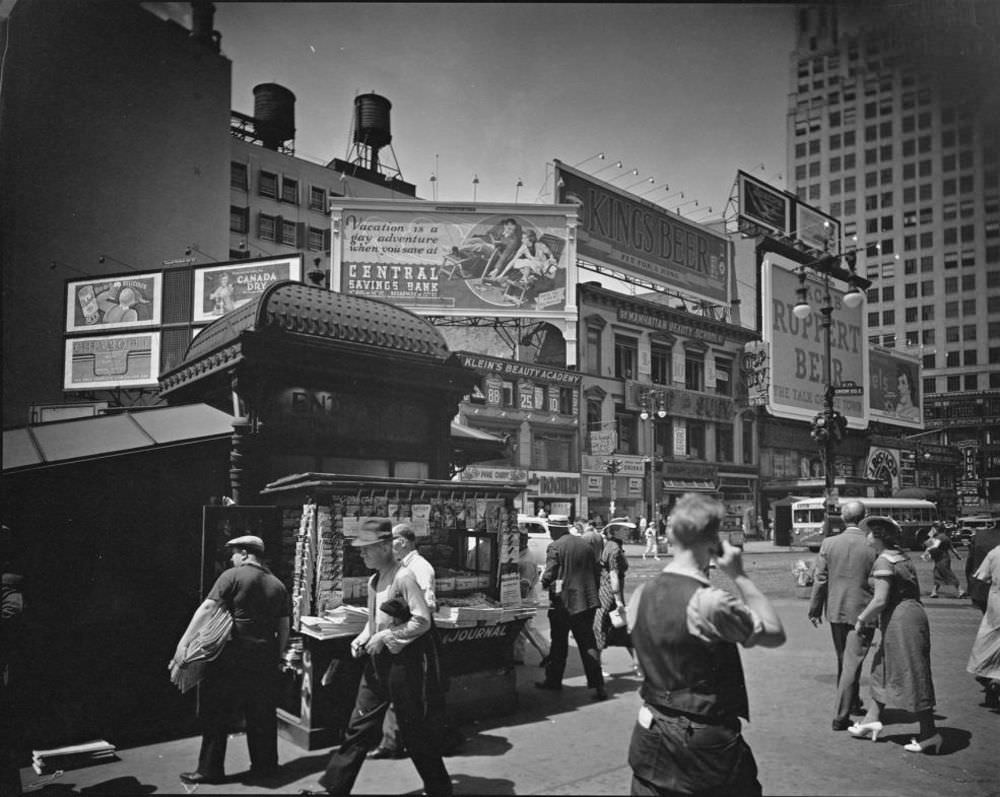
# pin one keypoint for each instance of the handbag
(619, 617)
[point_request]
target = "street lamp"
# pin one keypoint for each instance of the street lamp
(652, 403)
(612, 466)
(829, 426)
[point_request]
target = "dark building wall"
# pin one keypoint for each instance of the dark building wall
(111, 553)
(114, 140)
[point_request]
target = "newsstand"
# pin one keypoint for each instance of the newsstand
(468, 533)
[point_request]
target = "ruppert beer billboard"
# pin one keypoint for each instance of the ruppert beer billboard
(456, 259)
(797, 346)
(634, 236)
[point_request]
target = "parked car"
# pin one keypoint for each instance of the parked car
(537, 529)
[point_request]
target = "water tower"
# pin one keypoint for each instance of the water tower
(372, 133)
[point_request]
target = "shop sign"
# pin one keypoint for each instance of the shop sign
(680, 440)
(755, 369)
(556, 485)
(603, 443)
(595, 485)
(671, 325)
(456, 635)
(518, 370)
(883, 464)
(474, 474)
(634, 486)
(689, 470)
(631, 465)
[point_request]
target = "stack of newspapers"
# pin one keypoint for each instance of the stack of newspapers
(205, 646)
(72, 756)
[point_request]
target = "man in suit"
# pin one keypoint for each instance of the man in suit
(841, 587)
(571, 576)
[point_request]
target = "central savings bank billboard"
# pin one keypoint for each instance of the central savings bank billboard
(620, 230)
(455, 259)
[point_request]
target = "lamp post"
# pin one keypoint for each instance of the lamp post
(829, 426)
(652, 404)
(612, 466)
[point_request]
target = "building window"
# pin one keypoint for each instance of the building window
(694, 371)
(288, 236)
(971, 382)
(593, 357)
(927, 336)
(954, 384)
(626, 422)
(724, 377)
(969, 357)
(315, 239)
(952, 359)
(626, 357)
(911, 318)
(239, 219)
(748, 441)
(724, 442)
(267, 184)
(289, 191)
(508, 393)
(238, 180)
(930, 385)
(551, 451)
(696, 439)
(267, 227)
(660, 364)
(594, 423)
(317, 199)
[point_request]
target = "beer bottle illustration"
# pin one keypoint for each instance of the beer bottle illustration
(88, 304)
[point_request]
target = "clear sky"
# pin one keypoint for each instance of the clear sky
(685, 93)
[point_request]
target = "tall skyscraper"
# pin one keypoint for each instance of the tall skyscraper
(894, 127)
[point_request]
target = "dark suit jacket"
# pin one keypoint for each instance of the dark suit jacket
(571, 559)
(841, 576)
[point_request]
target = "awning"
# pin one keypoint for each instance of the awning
(689, 486)
(133, 431)
(475, 445)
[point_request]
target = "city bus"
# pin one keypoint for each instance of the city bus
(914, 517)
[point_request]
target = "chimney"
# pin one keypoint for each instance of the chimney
(202, 19)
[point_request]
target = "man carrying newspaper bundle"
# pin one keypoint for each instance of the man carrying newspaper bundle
(244, 676)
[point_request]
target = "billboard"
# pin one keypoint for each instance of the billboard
(797, 346)
(637, 237)
(112, 361)
(895, 385)
(114, 302)
(455, 259)
(764, 209)
(219, 289)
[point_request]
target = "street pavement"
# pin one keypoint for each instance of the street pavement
(564, 743)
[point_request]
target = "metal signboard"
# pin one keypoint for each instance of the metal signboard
(457, 260)
(114, 302)
(798, 370)
(634, 236)
(224, 287)
(895, 379)
(112, 361)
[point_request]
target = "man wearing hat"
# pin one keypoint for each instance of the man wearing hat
(393, 671)
(244, 677)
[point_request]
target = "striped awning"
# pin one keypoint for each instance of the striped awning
(688, 486)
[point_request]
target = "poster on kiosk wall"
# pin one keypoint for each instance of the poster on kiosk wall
(456, 259)
(798, 369)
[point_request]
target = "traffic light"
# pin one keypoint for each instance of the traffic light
(820, 429)
(838, 426)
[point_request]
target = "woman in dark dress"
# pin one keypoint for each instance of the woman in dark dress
(901, 670)
(940, 549)
(613, 564)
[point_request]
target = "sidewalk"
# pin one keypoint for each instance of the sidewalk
(563, 743)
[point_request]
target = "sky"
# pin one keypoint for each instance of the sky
(684, 93)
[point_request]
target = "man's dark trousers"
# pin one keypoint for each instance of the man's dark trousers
(396, 679)
(581, 625)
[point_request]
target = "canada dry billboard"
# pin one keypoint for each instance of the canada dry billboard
(797, 346)
(219, 289)
(455, 259)
(637, 237)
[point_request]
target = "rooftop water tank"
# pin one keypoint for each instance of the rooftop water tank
(371, 120)
(273, 114)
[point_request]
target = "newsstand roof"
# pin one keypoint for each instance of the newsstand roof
(311, 315)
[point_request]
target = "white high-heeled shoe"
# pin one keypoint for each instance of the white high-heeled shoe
(932, 744)
(861, 730)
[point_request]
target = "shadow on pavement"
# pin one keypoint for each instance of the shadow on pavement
(127, 784)
(953, 740)
(483, 744)
(471, 784)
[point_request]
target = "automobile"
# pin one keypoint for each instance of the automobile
(537, 529)
(620, 527)
(968, 525)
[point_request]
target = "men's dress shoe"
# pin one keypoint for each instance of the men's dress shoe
(841, 725)
(547, 685)
(858, 708)
(195, 778)
(384, 752)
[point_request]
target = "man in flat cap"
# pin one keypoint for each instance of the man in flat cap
(392, 644)
(244, 678)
